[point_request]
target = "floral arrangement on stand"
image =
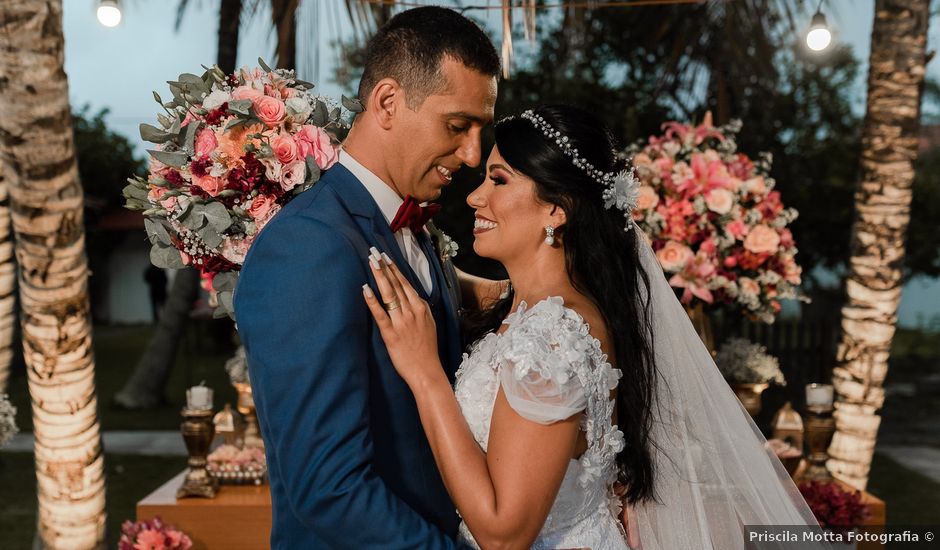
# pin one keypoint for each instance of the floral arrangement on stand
(836, 509)
(744, 362)
(7, 420)
(152, 535)
(716, 223)
(231, 151)
(230, 464)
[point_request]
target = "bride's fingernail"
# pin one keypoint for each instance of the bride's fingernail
(368, 291)
(386, 258)
(374, 252)
(374, 263)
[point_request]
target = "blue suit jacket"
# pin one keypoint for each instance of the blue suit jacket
(349, 464)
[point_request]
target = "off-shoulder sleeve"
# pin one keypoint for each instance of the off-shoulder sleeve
(545, 360)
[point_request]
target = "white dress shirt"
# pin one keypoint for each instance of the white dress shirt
(389, 202)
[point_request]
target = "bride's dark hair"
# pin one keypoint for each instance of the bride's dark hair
(602, 261)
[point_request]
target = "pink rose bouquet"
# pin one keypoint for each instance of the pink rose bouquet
(231, 151)
(152, 535)
(719, 229)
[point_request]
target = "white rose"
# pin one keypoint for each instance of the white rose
(298, 109)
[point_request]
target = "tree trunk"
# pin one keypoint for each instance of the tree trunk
(284, 20)
(46, 203)
(144, 389)
(229, 23)
(7, 279)
(883, 199)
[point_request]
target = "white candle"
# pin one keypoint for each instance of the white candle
(819, 395)
(199, 397)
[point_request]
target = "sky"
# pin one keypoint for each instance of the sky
(118, 68)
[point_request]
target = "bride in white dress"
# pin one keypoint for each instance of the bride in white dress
(584, 375)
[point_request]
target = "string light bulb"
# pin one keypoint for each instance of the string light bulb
(109, 13)
(819, 37)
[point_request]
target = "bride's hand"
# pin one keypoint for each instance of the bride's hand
(405, 322)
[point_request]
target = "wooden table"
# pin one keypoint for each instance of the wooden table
(238, 518)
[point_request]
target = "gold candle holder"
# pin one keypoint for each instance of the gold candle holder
(818, 431)
(198, 431)
(246, 406)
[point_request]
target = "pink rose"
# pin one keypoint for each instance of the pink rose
(205, 142)
(674, 256)
(288, 93)
(210, 184)
(247, 92)
(293, 174)
(270, 110)
(169, 204)
(648, 198)
(314, 141)
(285, 148)
(749, 286)
(719, 201)
(260, 207)
(737, 229)
(762, 239)
(730, 262)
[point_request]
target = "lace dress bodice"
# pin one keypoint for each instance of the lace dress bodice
(551, 368)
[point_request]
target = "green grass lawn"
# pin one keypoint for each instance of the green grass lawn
(129, 479)
(117, 350)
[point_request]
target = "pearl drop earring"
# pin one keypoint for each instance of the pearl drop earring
(549, 235)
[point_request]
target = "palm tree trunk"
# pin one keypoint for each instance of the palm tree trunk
(229, 22)
(144, 389)
(284, 20)
(883, 199)
(46, 202)
(7, 279)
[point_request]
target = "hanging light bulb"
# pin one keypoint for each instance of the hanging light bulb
(818, 38)
(109, 13)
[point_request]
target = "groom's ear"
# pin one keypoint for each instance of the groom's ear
(386, 98)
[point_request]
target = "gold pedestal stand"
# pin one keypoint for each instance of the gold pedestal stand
(198, 431)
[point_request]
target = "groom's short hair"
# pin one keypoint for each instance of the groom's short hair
(411, 48)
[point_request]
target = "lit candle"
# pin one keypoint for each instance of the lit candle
(199, 397)
(819, 395)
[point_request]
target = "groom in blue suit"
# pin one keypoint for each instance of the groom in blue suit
(348, 461)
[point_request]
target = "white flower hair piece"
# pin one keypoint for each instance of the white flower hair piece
(622, 188)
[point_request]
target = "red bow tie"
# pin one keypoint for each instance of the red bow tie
(412, 215)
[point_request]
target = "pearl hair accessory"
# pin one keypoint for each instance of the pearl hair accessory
(622, 188)
(549, 235)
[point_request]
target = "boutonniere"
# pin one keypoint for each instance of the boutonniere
(445, 247)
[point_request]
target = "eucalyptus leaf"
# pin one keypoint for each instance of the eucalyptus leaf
(240, 107)
(352, 105)
(334, 114)
(164, 120)
(319, 115)
(263, 65)
(166, 257)
(154, 134)
(196, 219)
(210, 236)
(236, 122)
(175, 127)
(313, 170)
(304, 84)
(157, 232)
(224, 281)
(134, 204)
(218, 216)
(226, 302)
(189, 137)
(134, 192)
(176, 159)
